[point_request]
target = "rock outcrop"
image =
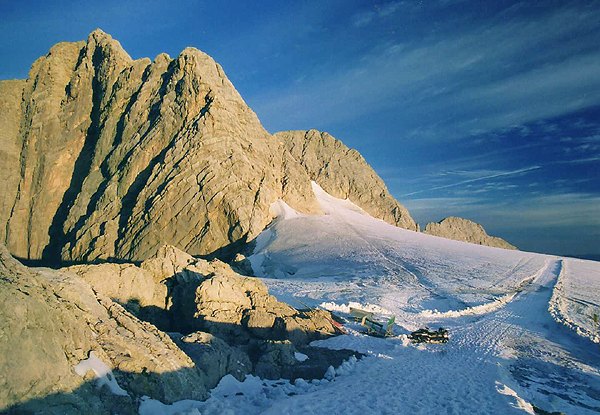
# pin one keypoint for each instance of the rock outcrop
(106, 157)
(177, 292)
(343, 172)
(118, 156)
(64, 333)
(465, 230)
(51, 321)
(239, 309)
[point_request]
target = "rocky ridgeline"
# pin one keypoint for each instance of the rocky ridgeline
(105, 157)
(343, 172)
(465, 230)
(219, 323)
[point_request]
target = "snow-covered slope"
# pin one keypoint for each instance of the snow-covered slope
(504, 342)
(506, 352)
(347, 255)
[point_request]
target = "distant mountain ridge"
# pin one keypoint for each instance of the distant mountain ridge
(108, 158)
(461, 229)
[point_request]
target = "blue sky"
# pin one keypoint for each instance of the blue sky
(488, 110)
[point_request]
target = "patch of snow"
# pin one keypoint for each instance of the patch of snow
(330, 374)
(250, 396)
(345, 308)
(301, 357)
(283, 211)
(331, 205)
(150, 406)
(102, 372)
(229, 385)
(520, 402)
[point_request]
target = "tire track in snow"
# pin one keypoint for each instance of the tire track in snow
(535, 355)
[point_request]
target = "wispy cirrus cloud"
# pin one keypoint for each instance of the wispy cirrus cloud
(454, 83)
(495, 175)
(365, 18)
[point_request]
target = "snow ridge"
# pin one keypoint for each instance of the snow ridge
(559, 307)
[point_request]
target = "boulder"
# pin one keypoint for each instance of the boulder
(239, 309)
(66, 320)
(276, 357)
(215, 357)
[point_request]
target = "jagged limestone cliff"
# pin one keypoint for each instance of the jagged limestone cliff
(105, 157)
(465, 230)
(343, 172)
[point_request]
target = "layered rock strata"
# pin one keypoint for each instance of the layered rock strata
(106, 157)
(343, 172)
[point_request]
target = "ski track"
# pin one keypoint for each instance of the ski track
(517, 346)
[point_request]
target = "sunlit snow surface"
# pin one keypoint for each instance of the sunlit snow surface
(507, 352)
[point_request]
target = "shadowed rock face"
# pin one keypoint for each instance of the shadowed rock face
(105, 157)
(465, 230)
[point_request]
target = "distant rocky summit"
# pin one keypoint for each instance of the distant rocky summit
(465, 230)
(104, 157)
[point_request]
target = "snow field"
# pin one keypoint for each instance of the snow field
(506, 353)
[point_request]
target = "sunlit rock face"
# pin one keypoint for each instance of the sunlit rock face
(465, 230)
(64, 333)
(109, 157)
(343, 172)
(51, 321)
(105, 157)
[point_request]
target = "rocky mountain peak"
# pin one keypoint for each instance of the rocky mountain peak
(105, 157)
(98, 39)
(465, 230)
(344, 173)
